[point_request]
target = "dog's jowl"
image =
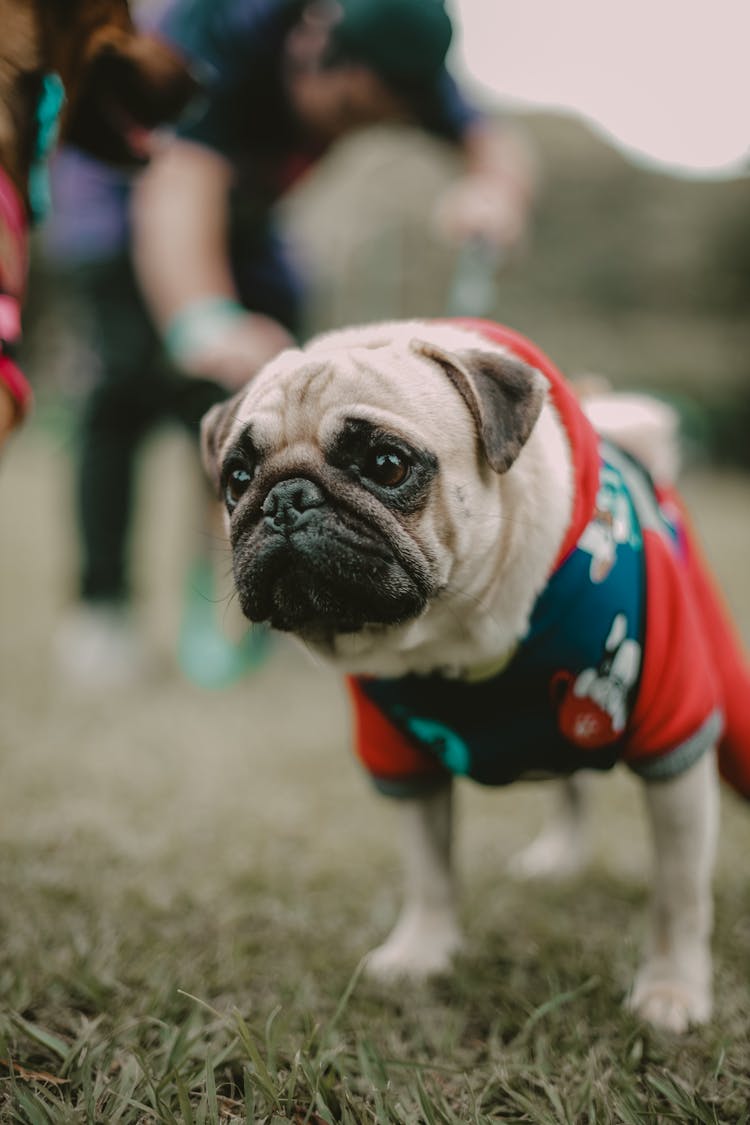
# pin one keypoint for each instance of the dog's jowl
(427, 505)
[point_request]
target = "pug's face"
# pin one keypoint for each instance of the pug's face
(358, 473)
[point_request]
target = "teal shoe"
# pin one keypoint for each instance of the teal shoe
(206, 655)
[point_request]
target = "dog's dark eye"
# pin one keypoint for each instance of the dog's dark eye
(236, 486)
(386, 467)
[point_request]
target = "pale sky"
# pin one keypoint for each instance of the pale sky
(667, 79)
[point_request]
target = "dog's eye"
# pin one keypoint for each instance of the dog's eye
(386, 467)
(236, 486)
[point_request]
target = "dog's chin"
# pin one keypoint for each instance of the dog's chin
(320, 589)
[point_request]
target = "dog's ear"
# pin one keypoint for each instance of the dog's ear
(215, 428)
(504, 394)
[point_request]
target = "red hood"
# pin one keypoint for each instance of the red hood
(584, 443)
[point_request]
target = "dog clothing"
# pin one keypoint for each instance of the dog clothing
(629, 655)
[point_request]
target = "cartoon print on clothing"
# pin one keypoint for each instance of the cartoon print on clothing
(611, 524)
(563, 699)
(593, 706)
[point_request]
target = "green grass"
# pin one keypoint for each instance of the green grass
(126, 1011)
(188, 882)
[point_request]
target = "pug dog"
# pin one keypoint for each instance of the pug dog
(426, 505)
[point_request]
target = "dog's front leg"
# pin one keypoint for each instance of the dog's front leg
(426, 934)
(673, 987)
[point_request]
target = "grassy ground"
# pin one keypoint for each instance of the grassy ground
(188, 881)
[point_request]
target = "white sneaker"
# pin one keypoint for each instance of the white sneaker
(97, 648)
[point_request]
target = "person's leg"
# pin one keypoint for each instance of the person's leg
(216, 644)
(124, 402)
(98, 644)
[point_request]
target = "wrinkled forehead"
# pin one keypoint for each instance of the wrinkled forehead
(306, 395)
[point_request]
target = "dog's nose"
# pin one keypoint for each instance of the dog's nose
(290, 502)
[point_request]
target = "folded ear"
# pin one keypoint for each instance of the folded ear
(216, 425)
(504, 394)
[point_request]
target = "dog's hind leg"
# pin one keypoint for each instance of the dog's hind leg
(427, 933)
(673, 987)
(562, 847)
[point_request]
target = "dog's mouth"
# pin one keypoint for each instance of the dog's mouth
(318, 572)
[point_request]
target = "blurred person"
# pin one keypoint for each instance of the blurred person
(85, 70)
(186, 303)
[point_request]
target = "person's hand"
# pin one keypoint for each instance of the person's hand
(232, 349)
(491, 202)
(484, 207)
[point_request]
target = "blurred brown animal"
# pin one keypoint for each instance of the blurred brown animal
(118, 84)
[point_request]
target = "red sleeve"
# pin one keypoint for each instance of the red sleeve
(677, 715)
(397, 767)
(728, 657)
(583, 439)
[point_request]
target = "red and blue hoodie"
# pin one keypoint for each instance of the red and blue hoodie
(629, 655)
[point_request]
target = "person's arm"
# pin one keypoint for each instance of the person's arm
(180, 217)
(491, 200)
(181, 205)
(180, 250)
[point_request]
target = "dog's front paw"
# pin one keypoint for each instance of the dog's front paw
(422, 945)
(669, 1000)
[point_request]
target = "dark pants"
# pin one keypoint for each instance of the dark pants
(136, 389)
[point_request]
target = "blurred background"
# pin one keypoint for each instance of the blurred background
(228, 810)
(637, 257)
(635, 265)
